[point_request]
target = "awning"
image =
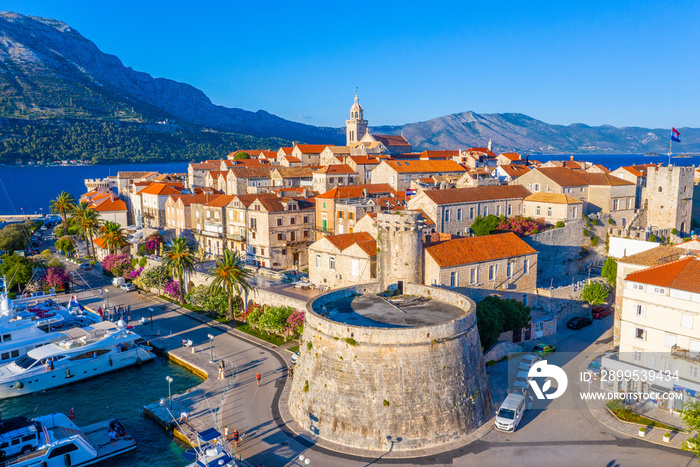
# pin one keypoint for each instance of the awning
(208, 435)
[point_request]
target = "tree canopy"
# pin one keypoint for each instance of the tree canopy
(486, 225)
(241, 155)
(595, 293)
(610, 270)
(13, 237)
(495, 315)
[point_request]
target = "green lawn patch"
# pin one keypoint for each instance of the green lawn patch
(294, 349)
(271, 338)
(627, 415)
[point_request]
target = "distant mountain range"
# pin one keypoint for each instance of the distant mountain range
(52, 78)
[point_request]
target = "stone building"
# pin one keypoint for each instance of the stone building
(153, 199)
(209, 224)
(308, 154)
(508, 158)
(237, 232)
(342, 260)
(454, 210)
(178, 216)
(292, 177)
(668, 197)
(363, 166)
(476, 177)
(290, 161)
(108, 205)
(552, 207)
(279, 232)
(399, 174)
(499, 261)
(197, 172)
(393, 145)
(216, 179)
(334, 175)
(334, 155)
(244, 180)
(636, 174)
(508, 173)
(338, 209)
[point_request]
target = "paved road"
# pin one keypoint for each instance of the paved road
(562, 433)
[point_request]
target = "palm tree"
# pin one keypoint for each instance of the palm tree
(179, 259)
(89, 222)
(113, 236)
(232, 276)
(63, 204)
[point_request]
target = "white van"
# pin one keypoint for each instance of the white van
(510, 413)
(118, 281)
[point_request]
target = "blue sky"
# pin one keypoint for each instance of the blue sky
(624, 63)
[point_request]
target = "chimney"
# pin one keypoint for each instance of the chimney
(571, 158)
(365, 193)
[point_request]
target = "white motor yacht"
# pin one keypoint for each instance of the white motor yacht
(58, 442)
(211, 451)
(83, 353)
(26, 324)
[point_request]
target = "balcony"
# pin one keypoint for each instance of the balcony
(237, 238)
(685, 354)
(297, 241)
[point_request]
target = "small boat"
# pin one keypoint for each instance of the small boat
(26, 324)
(84, 353)
(55, 441)
(211, 451)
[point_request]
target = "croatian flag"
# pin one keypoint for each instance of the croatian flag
(675, 135)
(410, 192)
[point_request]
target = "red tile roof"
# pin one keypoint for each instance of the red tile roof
(205, 165)
(659, 255)
(513, 156)
(514, 171)
(251, 172)
(220, 201)
(444, 154)
(355, 191)
(363, 239)
(336, 169)
(160, 189)
(364, 160)
(484, 151)
(286, 150)
(425, 166)
(478, 249)
(247, 200)
(311, 148)
(291, 159)
(110, 205)
(391, 140)
(188, 200)
(564, 176)
(682, 274)
(478, 193)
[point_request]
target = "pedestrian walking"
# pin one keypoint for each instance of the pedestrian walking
(236, 438)
(221, 373)
(258, 378)
(226, 433)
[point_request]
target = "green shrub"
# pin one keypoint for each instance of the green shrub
(594, 240)
(386, 403)
(306, 385)
(309, 345)
(674, 231)
(585, 232)
(611, 222)
(595, 293)
(652, 238)
(351, 341)
(11, 295)
(142, 262)
(595, 222)
(559, 224)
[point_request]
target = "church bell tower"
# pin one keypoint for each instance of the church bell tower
(356, 127)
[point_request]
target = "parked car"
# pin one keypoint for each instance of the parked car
(86, 266)
(602, 311)
(127, 287)
(510, 413)
(543, 349)
(579, 322)
(295, 357)
(595, 365)
(527, 362)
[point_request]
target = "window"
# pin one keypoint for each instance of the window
(640, 333)
(340, 214)
(292, 221)
(14, 353)
(447, 215)
(61, 450)
(5, 356)
(486, 211)
(331, 180)
(305, 219)
(629, 203)
(693, 371)
(509, 269)
(510, 210)
(529, 186)
(636, 286)
(318, 260)
(498, 210)
(350, 216)
(670, 340)
(280, 237)
(208, 214)
(6, 337)
(355, 267)
(331, 263)
(687, 321)
(668, 366)
(640, 310)
(196, 214)
(262, 251)
(615, 204)
(453, 279)
(549, 212)
(637, 356)
(525, 264)
(492, 272)
(324, 205)
(537, 211)
(306, 233)
(537, 187)
(472, 276)
(471, 213)
(694, 346)
(658, 290)
(279, 222)
(284, 252)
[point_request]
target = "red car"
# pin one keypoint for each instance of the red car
(601, 312)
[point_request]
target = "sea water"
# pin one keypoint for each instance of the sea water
(122, 395)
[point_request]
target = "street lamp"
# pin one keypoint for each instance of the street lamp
(151, 310)
(304, 460)
(211, 348)
(170, 396)
(106, 304)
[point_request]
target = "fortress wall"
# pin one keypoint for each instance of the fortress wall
(366, 387)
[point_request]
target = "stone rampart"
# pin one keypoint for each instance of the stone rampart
(410, 387)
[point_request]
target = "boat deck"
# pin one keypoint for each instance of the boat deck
(98, 435)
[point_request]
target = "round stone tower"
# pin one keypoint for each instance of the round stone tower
(400, 242)
(401, 375)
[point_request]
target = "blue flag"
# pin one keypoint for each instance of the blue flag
(675, 135)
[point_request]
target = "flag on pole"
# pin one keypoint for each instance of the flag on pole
(71, 413)
(675, 135)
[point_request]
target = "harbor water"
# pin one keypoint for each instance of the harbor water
(122, 395)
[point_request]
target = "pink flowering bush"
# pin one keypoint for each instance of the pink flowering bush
(153, 243)
(55, 277)
(135, 273)
(172, 290)
(521, 226)
(118, 264)
(295, 322)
